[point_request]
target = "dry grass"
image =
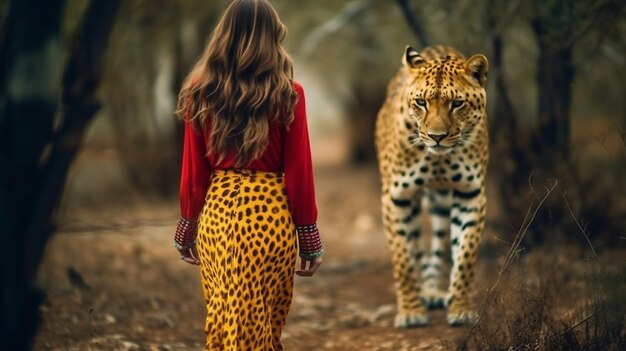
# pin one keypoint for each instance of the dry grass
(535, 304)
(550, 314)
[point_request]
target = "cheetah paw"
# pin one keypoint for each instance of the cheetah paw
(433, 299)
(459, 317)
(408, 320)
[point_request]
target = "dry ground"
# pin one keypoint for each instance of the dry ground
(114, 281)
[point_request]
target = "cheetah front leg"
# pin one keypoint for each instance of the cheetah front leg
(401, 217)
(440, 202)
(467, 223)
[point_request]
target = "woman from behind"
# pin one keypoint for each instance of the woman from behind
(247, 194)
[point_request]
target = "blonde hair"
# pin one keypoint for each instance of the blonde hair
(243, 80)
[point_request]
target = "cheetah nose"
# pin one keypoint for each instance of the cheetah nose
(438, 137)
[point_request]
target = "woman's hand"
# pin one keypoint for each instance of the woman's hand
(190, 255)
(308, 267)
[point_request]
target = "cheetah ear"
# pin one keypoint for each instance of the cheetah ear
(411, 58)
(476, 69)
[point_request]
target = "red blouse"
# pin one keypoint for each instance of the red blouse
(288, 151)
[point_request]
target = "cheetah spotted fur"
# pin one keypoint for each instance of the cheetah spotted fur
(432, 148)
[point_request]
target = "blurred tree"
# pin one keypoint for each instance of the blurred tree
(537, 51)
(352, 50)
(363, 98)
(39, 139)
(367, 94)
(544, 150)
(532, 146)
(559, 26)
(154, 48)
(525, 141)
(140, 98)
(415, 23)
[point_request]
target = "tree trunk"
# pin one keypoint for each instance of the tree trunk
(30, 87)
(39, 141)
(369, 94)
(414, 22)
(541, 153)
(362, 119)
(554, 82)
(533, 159)
(511, 163)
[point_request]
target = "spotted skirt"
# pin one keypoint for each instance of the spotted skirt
(247, 248)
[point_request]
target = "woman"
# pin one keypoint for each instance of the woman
(246, 184)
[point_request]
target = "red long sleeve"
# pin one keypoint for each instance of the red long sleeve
(195, 174)
(288, 151)
(298, 166)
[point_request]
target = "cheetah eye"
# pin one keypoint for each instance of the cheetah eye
(457, 104)
(420, 102)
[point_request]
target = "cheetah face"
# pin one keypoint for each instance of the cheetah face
(446, 97)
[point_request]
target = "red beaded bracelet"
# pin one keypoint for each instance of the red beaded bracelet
(310, 242)
(185, 236)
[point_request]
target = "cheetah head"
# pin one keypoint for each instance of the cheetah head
(446, 98)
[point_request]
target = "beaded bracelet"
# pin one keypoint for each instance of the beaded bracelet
(184, 247)
(312, 256)
(310, 242)
(185, 236)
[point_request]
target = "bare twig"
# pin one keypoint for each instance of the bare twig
(351, 10)
(500, 239)
(602, 142)
(523, 230)
(514, 249)
(621, 132)
(613, 55)
(581, 321)
(530, 185)
(578, 224)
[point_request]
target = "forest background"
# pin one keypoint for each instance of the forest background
(90, 145)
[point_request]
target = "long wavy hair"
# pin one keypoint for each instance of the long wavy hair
(243, 80)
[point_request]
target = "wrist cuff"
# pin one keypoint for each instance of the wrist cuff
(186, 233)
(310, 243)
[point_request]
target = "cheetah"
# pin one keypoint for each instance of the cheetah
(432, 149)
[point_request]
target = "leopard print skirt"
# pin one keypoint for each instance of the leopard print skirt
(247, 248)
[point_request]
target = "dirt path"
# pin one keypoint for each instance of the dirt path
(114, 282)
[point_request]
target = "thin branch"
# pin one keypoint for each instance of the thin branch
(522, 232)
(602, 142)
(351, 10)
(530, 185)
(581, 321)
(621, 132)
(613, 55)
(578, 224)
(500, 239)
(514, 249)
